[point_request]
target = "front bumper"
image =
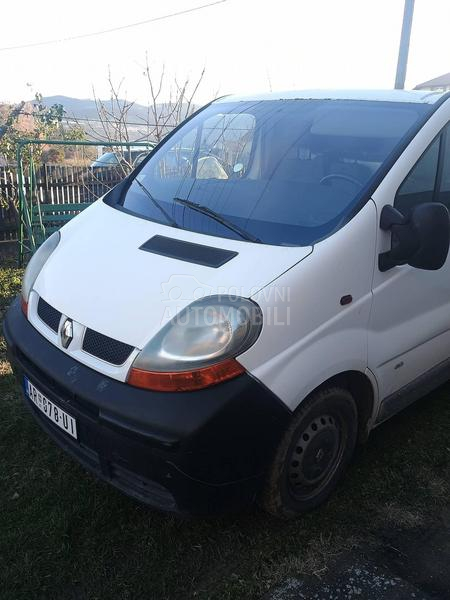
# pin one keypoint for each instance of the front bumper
(190, 452)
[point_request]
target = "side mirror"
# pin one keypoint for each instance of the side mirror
(421, 240)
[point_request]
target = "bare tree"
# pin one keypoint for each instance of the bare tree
(169, 103)
(112, 115)
(179, 105)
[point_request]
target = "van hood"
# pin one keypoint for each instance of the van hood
(99, 275)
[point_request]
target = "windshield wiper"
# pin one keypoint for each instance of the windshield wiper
(170, 220)
(204, 210)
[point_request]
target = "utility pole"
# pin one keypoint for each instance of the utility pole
(403, 50)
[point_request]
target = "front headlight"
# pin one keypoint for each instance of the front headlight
(35, 265)
(198, 347)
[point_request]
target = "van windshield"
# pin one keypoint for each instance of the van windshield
(282, 172)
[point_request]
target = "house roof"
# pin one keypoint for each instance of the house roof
(441, 81)
(373, 95)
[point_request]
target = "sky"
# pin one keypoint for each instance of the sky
(245, 45)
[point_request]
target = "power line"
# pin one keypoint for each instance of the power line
(120, 28)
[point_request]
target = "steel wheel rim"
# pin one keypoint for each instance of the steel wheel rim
(315, 456)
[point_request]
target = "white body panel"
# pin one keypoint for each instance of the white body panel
(395, 328)
(409, 331)
(307, 335)
(98, 277)
(420, 96)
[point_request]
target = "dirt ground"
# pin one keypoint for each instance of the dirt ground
(413, 563)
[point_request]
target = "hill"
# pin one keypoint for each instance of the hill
(84, 108)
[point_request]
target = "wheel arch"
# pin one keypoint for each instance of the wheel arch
(362, 389)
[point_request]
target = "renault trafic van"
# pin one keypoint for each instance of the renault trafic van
(269, 285)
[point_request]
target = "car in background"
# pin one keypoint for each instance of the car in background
(126, 158)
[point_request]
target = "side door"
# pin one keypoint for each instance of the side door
(409, 332)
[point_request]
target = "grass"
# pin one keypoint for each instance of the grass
(64, 535)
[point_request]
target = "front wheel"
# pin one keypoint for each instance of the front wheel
(313, 453)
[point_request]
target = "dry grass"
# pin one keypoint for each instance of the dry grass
(5, 368)
(64, 535)
(395, 515)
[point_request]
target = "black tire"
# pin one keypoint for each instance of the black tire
(313, 454)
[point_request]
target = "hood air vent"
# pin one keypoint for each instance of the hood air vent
(187, 251)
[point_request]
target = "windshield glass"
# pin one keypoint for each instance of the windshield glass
(286, 172)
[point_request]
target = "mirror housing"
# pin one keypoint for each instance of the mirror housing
(421, 240)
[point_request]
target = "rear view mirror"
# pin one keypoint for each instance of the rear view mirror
(420, 240)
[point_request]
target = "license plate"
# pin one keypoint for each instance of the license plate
(58, 416)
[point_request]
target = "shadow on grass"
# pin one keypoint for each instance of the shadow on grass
(65, 535)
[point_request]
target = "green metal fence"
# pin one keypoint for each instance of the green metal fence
(48, 197)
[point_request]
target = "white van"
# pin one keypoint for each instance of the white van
(268, 286)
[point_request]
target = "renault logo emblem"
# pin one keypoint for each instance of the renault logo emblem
(67, 333)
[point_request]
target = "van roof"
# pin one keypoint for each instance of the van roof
(416, 96)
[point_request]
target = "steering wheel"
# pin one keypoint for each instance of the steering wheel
(339, 176)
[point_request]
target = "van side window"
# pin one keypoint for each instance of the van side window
(419, 185)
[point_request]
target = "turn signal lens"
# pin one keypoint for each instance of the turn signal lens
(24, 306)
(184, 381)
